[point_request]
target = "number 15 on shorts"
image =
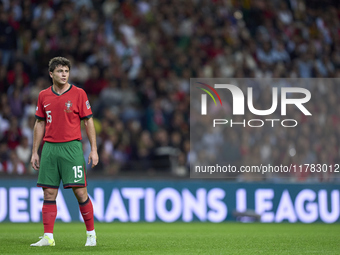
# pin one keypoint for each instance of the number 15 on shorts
(78, 171)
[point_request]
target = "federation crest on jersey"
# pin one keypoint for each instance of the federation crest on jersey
(68, 105)
(88, 106)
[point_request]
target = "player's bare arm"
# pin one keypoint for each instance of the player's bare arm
(91, 134)
(38, 133)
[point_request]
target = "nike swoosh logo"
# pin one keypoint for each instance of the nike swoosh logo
(76, 180)
(46, 105)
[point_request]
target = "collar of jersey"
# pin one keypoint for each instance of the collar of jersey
(63, 93)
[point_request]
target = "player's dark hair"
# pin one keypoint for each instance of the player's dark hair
(58, 61)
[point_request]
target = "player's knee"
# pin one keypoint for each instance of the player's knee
(81, 194)
(50, 194)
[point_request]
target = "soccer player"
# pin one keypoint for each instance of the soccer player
(59, 112)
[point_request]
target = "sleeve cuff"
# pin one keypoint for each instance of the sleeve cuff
(87, 117)
(39, 118)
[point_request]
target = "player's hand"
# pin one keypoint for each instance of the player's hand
(94, 157)
(35, 161)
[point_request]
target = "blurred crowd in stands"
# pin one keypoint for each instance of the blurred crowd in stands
(135, 58)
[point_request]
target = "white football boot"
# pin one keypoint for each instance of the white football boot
(91, 240)
(44, 241)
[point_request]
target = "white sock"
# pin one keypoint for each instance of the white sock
(92, 232)
(50, 235)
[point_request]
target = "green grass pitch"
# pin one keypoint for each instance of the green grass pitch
(176, 238)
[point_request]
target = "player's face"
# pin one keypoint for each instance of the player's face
(60, 75)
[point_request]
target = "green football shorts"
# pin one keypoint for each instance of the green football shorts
(62, 161)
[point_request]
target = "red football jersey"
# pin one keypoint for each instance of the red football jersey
(63, 113)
